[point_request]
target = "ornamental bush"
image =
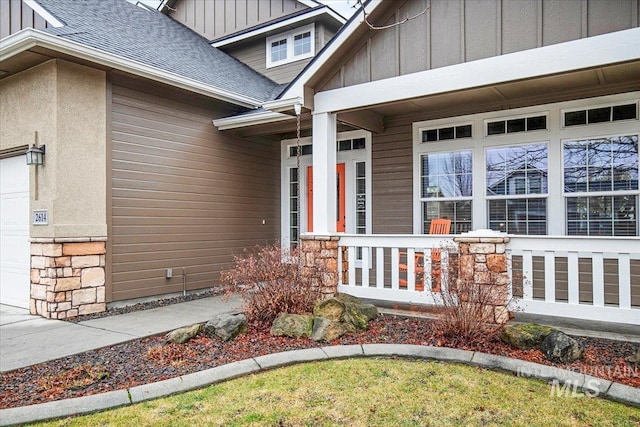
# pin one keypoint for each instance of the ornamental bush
(270, 280)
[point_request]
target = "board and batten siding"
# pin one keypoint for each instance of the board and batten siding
(215, 19)
(183, 195)
(16, 16)
(456, 31)
(254, 54)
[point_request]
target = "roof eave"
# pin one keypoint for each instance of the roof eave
(265, 117)
(266, 28)
(30, 38)
(296, 87)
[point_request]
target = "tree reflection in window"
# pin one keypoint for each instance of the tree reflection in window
(601, 186)
(447, 174)
(517, 188)
(447, 181)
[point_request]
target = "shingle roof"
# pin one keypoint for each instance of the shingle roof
(152, 38)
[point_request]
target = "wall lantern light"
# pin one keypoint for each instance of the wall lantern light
(35, 154)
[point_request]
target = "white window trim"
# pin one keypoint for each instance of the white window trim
(514, 117)
(544, 196)
(453, 125)
(609, 193)
(289, 37)
(595, 106)
(553, 136)
(349, 158)
(417, 188)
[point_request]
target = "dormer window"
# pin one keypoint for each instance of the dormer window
(291, 46)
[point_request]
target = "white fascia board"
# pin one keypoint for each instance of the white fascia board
(309, 3)
(252, 119)
(297, 89)
(44, 13)
(279, 25)
(597, 51)
(29, 38)
(282, 104)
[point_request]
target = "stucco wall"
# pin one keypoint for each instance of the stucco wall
(26, 101)
(66, 104)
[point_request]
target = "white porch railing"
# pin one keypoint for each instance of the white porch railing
(377, 272)
(578, 277)
(590, 278)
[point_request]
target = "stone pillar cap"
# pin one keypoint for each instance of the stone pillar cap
(484, 232)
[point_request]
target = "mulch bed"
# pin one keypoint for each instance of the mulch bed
(150, 359)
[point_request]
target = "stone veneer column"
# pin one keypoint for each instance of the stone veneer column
(320, 262)
(67, 277)
(483, 260)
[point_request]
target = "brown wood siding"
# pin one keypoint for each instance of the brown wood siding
(253, 54)
(183, 195)
(215, 19)
(456, 31)
(16, 16)
(392, 181)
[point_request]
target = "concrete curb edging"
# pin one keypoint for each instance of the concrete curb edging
(98, 402)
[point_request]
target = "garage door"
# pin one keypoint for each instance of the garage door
(14, 232)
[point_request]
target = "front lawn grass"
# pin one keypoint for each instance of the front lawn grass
(371, 392)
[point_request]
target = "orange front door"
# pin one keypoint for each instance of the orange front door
(340, 208)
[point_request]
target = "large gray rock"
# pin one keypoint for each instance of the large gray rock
(347, 310)
(526, 336)
(182, 335)
(292, 325)
(561, 348)
(635, 358)
(326, 330)
(226, 326)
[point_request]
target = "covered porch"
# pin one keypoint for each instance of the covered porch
(499, 147)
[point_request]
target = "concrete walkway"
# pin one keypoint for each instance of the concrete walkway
(26, 339)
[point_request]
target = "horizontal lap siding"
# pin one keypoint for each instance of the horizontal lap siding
(254, 54)
(392, 182)
(183, 195)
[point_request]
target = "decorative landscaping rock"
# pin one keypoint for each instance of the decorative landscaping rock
(526, 336)
(326, 330)
(182, 335)
(226, 326)
(634, 358)
(347, 310)
(559, 347)
(292, 325)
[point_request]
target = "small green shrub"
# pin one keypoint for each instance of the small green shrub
(270, 281)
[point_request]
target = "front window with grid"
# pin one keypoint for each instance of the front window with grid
(517, 188)
(279, 50)
(446, 189)
(302, 43)
(601, 186)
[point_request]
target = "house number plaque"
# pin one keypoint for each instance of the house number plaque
(40, 217)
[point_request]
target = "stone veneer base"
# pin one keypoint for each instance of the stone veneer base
(67, 277)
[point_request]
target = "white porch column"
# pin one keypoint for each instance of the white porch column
(324, 174)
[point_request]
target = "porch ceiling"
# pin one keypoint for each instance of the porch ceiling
(584, 83)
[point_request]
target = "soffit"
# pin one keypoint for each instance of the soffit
(584, 83)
